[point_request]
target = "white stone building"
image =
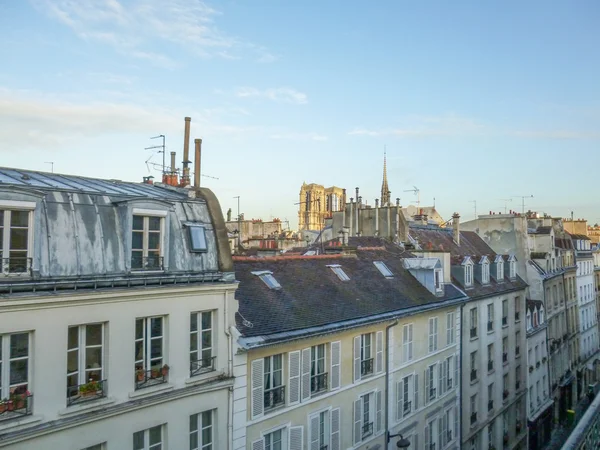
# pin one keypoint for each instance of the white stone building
(117, 311)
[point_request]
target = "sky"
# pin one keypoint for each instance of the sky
(476, 103)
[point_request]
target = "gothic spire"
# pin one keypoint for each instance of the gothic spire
(385, 190)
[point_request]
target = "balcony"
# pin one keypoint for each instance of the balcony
(367, 430)
(490, 326)
(318, 383)
(274, 397)
(18, 405)
(202, 366)
(92, 390)
(152, 377)
(473, 375)
(473, 332)
(147, 263)
(473, 418)
(490, 365)
(16, 265)
(366, 367)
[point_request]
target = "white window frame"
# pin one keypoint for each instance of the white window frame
(146, 438)
(146, 214)
(490, 317)
(197, 247)
(323, 435)
(383, 269)
(469, 274)
(198, 358)
(433, 335)
(199, 420)
(407, 342)
(337, 269)
(371, 413)
(474, 321)
(500, 270)
(438, 280)
(82, 362)
(7, 207)
(267, 277)
(146, 361)
(512, 269)
(450, 328)
(485, 272)
(271, 374)
(5, 363)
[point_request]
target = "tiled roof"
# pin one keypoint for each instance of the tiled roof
(312, 295)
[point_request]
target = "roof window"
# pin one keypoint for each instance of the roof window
(268, 278)
(197, 238)
(385, 271)
(337, 269)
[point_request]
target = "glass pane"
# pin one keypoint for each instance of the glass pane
(206, 322)
(156, 348)
(18, 371)
(194, 322)
(93, 334)
(154, 223)
(137, 258)
(193, 343)
(73, 338)
(206, 357)
(153, 240)
(194, 440)
(206, 339)
(139, 328)
(277, 362)
(72, 380)
(193, 422)
(19, 345)
(156, 327)
(19, 218)
(18, 239)
(93, 358)
(137, 240)
(206, 435)
(138, 223)
(155, 435)
(138, 439)
(72, 361)
(139, 351)
(207, 418)
(197, 238)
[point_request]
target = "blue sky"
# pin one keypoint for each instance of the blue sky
(473, 100)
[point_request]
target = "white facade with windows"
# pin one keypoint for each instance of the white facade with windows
(117, 316)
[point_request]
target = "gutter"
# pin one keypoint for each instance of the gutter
(387, 379)
(229, 372)
(460, 371)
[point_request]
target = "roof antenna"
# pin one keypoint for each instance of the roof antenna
(162, 147)
(51, 165)
(474, 206)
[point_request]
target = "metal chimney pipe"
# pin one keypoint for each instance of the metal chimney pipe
(198, 143)
(185, 175)
(173, 163)
(376, 217)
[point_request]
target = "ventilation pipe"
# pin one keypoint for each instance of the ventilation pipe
(350, 225)
(197, 156)
(376, 217)
(456, 228)
(356, 227)
(185, 173)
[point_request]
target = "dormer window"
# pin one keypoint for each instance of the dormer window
(337, 269)
(469, 274)
(485, 272)
(15, 238)
(528, 320)
(535, 318)
(500, 270)
(147, 240)
(383, 269)
(268, 278)
(197, 235)
(541, 315)
(437, 278)
(512, 269)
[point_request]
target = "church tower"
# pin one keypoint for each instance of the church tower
(385, 190)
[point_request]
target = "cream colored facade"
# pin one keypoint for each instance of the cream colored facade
(318, 202)
(349, 412)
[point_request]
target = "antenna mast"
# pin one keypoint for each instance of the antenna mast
(162, 147)
(474, 206)
(523, 197)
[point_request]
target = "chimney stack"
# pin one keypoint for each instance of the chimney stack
(197, 157)
(376, 217)
(456, 228)
(185, 175)
(173, 170)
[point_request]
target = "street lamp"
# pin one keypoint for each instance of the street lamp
(402, 443)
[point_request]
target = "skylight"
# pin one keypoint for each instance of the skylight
(383, 269)
(337, 269)
(197, 238)
(268, 278)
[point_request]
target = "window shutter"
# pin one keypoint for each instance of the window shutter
(258, 393)
(427, 381)
(306, 374)
(357, 420)
(295, 441)
(399, 400)
(445, 376)
(456, 422)
(258, 445)
(357, 359)
(378, 412)
(379, 351)
(313, 433)
(430, 346)
(336, 367)
(334, 421)
(416, 388)
(294, 372)
(426, 437)
(440, 432)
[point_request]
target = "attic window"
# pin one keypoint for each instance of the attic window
(337, 269)
(485, 273)
(500, 268)
(437, 274)
(468, 274)
(383, 269)
(197, 238)
(512, 270)
(268, 278)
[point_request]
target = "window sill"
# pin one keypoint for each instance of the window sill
(86, 407)
(474, 382)
(203, 377)
(474, 338)
(151, 390)
(490, 331)
(13, 423)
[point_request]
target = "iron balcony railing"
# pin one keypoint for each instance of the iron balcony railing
(86, 392)
(16, 265)
(147, 378)
(147, 263)
(274, 397)
(17, 405)
(474, 332)
(318, 383)
(202, 366)
(366, 367)
(367, 430)
(323, 447)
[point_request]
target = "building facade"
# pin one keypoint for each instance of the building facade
(117, 310)
(318, 203)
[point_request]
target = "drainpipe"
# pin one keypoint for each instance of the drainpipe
(387, 380)
(460, 371)
(229, 372)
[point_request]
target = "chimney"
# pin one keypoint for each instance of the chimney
(456, 228)
(351, 218)
(197, 156)
(397, 237)
(376, 217)
(185, 175)
(345, 232)
(173, 170)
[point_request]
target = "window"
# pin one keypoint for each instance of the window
(517, 309)
(275, 440)
(274, 390)
(149, 351)
(490, 396)
(473, 403)
(201, 343)
(367, 411)
(430, 382)
(433, 332)
(366, 354)
(541, 315)
(504, 313)
(15, 372)
(512, 269)
(319, 434)
(383, 269)
(450, 371)
(318, 376)
(468, 274)
(505, 387)
(500, 270)
(490, 355)
(14, 241)
(505, 349)
(490, 315)
(407, 342)
(474, 365)
(146, 240)
(473, 316)
(197, 235)
(491, 436)
(85, 362)
(485, 273)
(437, 276)
(150, 439)
(431, 434)
(405, 394)
(201, 431)
(450, 330)
(337, 269)
(268, 278)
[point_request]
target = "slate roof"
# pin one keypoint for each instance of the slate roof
(312, 295)
(582, 237)
(563, 243)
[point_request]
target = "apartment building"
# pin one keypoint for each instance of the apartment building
(117, 310)
(355, 348)
(493, 337)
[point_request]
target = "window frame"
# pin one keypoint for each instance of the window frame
(469, 274)
(433, 334)
(450, 328)
(145, 364)
(197, 335)
(146, 215)
(6, 209)
(407, 342)
(383, 269)
(82, 360)
(146, 438)
(199, 431)
(485, 272)
(6, 388)
(193, 227)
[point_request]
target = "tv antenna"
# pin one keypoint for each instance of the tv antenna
(415, 190)
(51, 165)
(162, 147)
(523, 197)
(506, 200)
(474, 206)
(158, 166)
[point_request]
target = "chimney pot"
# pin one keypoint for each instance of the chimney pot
(456, 228)
(197, 157)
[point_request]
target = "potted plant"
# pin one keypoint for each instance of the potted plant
(89, 389)
(139, 374)
(155, 373)
(10, 406)
(165, 370)
(3, 405)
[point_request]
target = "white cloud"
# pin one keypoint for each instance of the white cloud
(299, 136)
(418, 126)
(285, 95)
